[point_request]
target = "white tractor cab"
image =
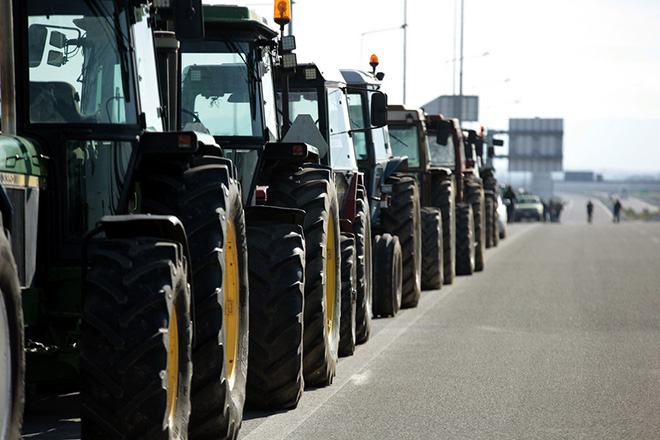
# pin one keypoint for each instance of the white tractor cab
(315, 99)
(382, 170)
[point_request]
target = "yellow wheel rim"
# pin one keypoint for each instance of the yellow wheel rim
(231, 301)
(331, 279)
(172, 367)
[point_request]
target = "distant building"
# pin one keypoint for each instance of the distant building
(536, 146)
(580, 176)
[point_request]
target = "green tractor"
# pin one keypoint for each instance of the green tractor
(224, 86)
(130, 241)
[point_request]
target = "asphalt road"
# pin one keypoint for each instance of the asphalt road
(559, 338)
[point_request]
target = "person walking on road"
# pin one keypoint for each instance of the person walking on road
(617, 211)
(510, 195)
(590, 211)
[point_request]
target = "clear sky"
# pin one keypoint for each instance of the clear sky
(594, 63)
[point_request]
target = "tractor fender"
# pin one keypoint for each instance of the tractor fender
(167, 227)
(399, 163)
(257, 213)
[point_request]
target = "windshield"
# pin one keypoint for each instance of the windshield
(79, 69)
(404, 141)
(341, 144)
(356, 114)
(442, 155)
(220, 91)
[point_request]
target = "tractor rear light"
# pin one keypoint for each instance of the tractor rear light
(386, 189)
(299, 150)
(262, 194)
(384, 201)
(186, 140)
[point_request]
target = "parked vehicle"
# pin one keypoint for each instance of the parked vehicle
(226, 87)
(375, 160)
(528, 207)
(458, 149)
(318, 103)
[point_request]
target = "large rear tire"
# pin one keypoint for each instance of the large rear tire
(136, 343)
(12, 353)
(347, 333)
(364, 280)
(388, 275)
(432, 250)
(310, 188)
(201, 191)
(444, 198)
(475, 196)
(464, 239)
(491, 220)
(403, 219)
(276, 254)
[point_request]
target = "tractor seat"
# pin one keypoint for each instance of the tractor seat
(56, 102)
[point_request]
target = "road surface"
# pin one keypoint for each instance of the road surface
(558, 338)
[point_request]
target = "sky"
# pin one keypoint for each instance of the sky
(593, 63)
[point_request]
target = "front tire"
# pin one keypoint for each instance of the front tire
(491, 220)
(403, 219)
(347, 333)
(12, 353)
(475, 196)
(444, 198)
(432, 249)
(136, 342)
(464, 239)
(364, 280)
(388, 275)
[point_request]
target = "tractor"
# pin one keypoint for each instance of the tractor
(130, 240)
(314, 101)
(382, 173)
(438, 190)
(224, 86)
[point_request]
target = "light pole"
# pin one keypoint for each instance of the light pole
(404, 26)
(460, 75)
(405, 46)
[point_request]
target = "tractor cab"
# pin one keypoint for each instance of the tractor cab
(227, 90)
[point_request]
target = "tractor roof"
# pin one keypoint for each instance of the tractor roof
(237, 17)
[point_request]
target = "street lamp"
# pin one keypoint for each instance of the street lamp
(404, 26)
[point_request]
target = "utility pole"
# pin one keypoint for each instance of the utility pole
(405, 45)
(460, 74)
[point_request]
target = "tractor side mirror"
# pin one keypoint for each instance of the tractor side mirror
(189, 20)
(443, 130)
(479, 145)
(37, 43)
(379, 109)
